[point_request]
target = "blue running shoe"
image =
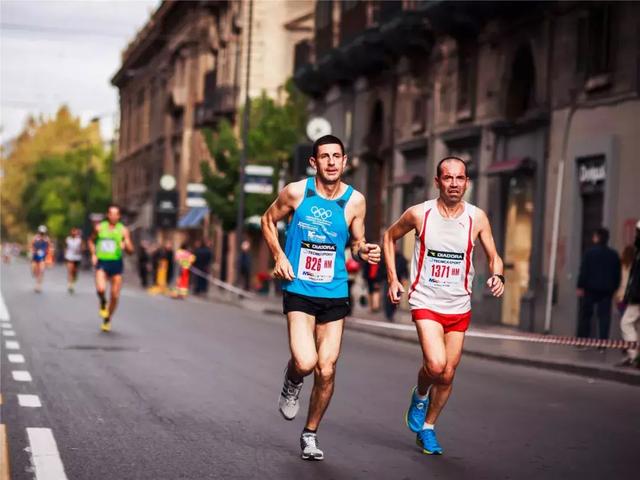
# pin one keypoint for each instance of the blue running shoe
(414, 418)
(426, 439)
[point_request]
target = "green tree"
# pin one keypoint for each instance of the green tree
(274, 132)
(64, 188)
(43, 138)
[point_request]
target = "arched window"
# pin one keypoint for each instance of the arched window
(521, 91)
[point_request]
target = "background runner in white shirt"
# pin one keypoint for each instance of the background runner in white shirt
(73, 257)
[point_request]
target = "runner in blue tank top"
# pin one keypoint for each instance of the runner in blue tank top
(39, 249)
(325, 217)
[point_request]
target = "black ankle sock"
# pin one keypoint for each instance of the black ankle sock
(103, 300)
(308, 430)
(292, 377)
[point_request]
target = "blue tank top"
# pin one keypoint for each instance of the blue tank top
(316, 238)
(40, 249)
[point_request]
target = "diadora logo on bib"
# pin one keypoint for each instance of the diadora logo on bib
(321, 213)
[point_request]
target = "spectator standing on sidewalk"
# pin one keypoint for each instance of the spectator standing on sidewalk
(245, 265)
(185, 259)
(203, 263)
(631, 317)
(402, 271)
(598, 280)
(372, 277)
(162, 255)
(143, 263)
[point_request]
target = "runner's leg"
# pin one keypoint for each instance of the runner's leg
(101, 286)
(304, 356)
(442, 388)
(116, 285)
(431, 336)
(328, 340)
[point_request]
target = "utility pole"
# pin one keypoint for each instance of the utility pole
(245, 145)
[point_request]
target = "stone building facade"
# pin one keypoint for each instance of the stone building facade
(184, 71)
(511, 87)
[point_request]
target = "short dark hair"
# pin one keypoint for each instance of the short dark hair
(326, 140)
(603, 235)
(113, 205)
(446, 159)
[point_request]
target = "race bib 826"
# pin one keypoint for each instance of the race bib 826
(317, 262)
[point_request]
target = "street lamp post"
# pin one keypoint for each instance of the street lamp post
(245, 146)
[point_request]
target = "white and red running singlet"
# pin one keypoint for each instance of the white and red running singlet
(442, 265)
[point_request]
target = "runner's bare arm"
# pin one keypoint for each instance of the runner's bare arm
(495, 262)
(407, 222)
(92, 245)
(127, 243)
(281, 208)
(368, 252)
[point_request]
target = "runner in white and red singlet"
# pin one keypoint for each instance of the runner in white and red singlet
(446, 229)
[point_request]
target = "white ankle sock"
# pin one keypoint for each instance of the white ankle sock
(422, 398)
(428, 426)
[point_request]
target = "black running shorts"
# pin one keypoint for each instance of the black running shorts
(323, 309)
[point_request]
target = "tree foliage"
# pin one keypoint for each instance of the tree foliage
(274, 131)
(53, 171)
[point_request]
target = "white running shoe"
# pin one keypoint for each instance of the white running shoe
(309, 446)
(288, 403)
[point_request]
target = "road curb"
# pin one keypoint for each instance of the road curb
(589, 371)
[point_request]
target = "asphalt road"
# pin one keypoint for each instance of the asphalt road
(188, 390)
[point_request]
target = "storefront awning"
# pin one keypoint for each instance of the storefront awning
(513, 165)
(193, 217)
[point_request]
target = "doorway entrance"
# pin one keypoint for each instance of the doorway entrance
(517, 244)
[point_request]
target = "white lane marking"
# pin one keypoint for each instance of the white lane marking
(32, 401)
(15, 358)
(21, 376)
(4, 313)
(44, 455)
(8, 333)
(12, 345)
(5, 325)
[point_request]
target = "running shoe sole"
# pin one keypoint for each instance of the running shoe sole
(312, 458)
(424, 450)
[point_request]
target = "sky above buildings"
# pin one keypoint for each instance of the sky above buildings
(63, 52)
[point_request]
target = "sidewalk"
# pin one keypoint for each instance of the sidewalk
(587, 362)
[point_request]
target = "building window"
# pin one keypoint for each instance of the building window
(466, 81)
(594, 40)
(418, 114)
(324, 13)
(521, 91)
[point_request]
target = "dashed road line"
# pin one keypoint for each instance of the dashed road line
(9, 333)
(31, 401)
(21, 376)
(44, 455)
(5, 325)
(12, 345)
(4, 313)
(15, 358)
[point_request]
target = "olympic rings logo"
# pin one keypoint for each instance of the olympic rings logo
(321, 213)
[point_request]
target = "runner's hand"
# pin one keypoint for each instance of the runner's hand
(496, 286)
(283, 269)
(94, 260)
(370, 252)
(395, 292)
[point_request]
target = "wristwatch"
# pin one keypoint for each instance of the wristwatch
(501, 277)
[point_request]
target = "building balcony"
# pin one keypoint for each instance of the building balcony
(406, 33)
(466, 18)
(221, 103)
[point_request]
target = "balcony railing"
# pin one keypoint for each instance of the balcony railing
(221, 103)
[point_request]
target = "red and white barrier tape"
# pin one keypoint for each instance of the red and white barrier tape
(532, 338)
